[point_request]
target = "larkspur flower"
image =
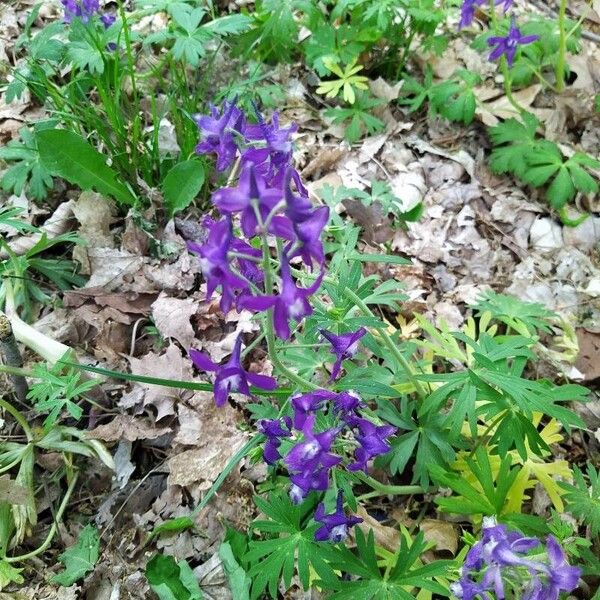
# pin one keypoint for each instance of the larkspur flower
(306, 404)
(219, 133)
(373, 442)
(250, 195)
(305, 482)
(468, 8)
(334, 526)
(215, 263)
(309, 455)
(274, 430)
(345, 405)
(85, 10)
(342, 346)
(290, 304)
(231, 377)
(502, 555)
(507, 45)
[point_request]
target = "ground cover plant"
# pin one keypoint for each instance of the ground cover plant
(299, 298)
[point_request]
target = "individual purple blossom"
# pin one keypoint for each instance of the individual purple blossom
(345, 405)
(373, 442)
(305, 404)
(273, 430)
(561, 576)
(231, 377)
(251, 194)
(507, 45)
(467, 11)
(313, 452)
(334, 526)
(215, 263)
(218, 133)
(342, 346)
(290, 303)
(307, 481)
(107, 20)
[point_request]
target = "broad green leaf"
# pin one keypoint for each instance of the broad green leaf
(80, 558)
(171, 580)
(173, 526)
(182, 184)
(9, 574)
(239, 581)
(68, 155)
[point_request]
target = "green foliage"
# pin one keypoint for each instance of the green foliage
(9, 574)
(239, 581)
(403, 575)
(453, 98)
(28, 173)
(171, 579)
(540, 162)
(182, 184)
(583, 500)
(361, 120)
(347, 83)
(187, 34)
(68, 155)
(57, 390)
(79, 559)
(470, 500)
(289, 545)
(526, 318)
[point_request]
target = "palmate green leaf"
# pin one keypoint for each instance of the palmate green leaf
(583, 499)
(182, 184)
(9, 574)
(68, 155)
(402, 581)
(79, 559)
(273, 560)
(514, 141)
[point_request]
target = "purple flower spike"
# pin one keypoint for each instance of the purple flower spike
(372, 440)
(502, 555)
(218, 133)
(251, 189)
(85, 10)
(274, 429)
(507, 45)
(343, 346)
(335, 526)
(231, 377)
(214, 263)
(290, 304)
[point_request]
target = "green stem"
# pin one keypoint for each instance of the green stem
(19, 418)
(52, 532)
(562, 47)
(387, 340)
(396, 490)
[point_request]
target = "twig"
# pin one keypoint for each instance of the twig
(12, 356)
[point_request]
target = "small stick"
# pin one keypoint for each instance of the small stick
(10, 350)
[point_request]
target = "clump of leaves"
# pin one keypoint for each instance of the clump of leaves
(56, 390)
(347, 83)
(539, 162)
(453, 98)
(171, 579)
(28, 171)
(583, 500)
(357, 117)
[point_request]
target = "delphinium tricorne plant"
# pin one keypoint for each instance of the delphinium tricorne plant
(266, 239)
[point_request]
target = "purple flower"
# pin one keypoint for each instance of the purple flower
(335, 525)
(85, 10)
(250, 195)
(214, 263)
(342, 346)
(313, 452)
(272, 160)
(345, 404)
(561, 576)
(467, 11)
(305, 404)
(274, 429)
(231, 377)
(372, 440)
(108, 20)
(502, 555)
(305, 482)
(218, 133)
(290, 303)
(507, 45)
